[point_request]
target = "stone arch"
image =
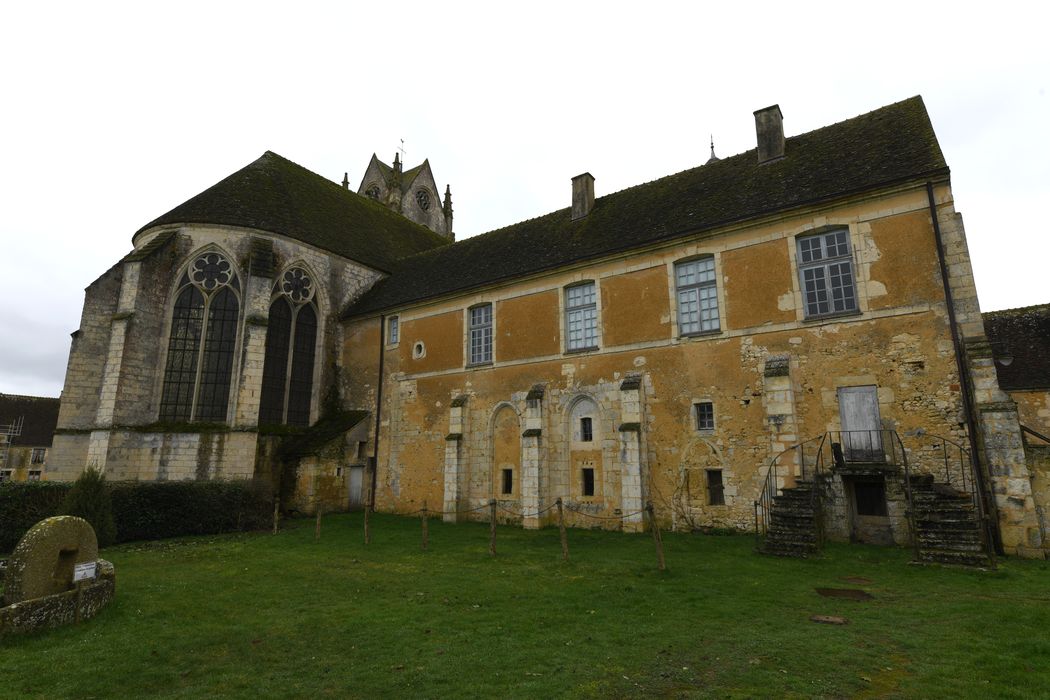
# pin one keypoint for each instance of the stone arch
(184, 280)
(280, 402)
(690, 496)
(505, 441)
(584, 445)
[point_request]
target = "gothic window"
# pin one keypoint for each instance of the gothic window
(825, 270)
(697, 296)
(204, 322)
(372, 191)
(291, 340)
(581, 317)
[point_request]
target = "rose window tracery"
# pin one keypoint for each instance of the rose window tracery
(297, 285)
(423, 199)
(211, 271)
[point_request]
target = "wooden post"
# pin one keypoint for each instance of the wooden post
(276, 513)
(492, 529)
(561, 530)
(79, 602)
(657, 540)
(426, 533)
(317, 526)
(368, 507)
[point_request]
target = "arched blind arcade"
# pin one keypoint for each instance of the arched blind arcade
(204, 321)
(291, 340)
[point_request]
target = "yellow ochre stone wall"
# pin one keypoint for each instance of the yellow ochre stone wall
(898, 341)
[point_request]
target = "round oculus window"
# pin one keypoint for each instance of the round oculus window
(423, 199)
(372, 191)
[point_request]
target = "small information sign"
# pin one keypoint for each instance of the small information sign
(85, 571)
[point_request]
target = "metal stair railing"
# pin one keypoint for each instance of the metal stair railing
(806, 463)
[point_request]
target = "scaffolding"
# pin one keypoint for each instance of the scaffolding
(7, 433)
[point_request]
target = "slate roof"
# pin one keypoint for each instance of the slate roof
(890, 145)
(321, 433)
(276, 195)
(40, 414)
(1024, 335)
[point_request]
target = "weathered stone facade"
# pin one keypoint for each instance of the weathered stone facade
(563, 357)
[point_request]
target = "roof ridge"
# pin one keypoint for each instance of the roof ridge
(27, 396)
(1017, 309)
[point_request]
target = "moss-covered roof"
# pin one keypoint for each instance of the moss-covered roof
(890, 145)
(39, 414)
(276, 195)
(321, 433)
(1021, 336)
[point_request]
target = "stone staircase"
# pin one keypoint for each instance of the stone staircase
(947, 526)
(794, 523)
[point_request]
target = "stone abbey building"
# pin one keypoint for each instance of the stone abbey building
(660, 344)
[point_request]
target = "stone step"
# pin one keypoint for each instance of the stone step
(943, 556)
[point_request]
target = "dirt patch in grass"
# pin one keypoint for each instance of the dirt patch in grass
(847, 593)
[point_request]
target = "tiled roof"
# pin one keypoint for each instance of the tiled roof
(891, 145)
(321, 433)
(40, 414)
(1023, 335)
(276, 195)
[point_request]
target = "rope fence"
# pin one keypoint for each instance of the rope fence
(494, 506)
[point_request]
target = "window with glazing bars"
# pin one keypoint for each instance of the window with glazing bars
(586, 430)
(204, 324)
(291, 339)
(37, 456)
(481, 334)
(705, 415)
(697, 296)
(393, 330)
(825, 268)
(581, 317)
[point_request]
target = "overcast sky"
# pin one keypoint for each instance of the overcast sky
(113, 113)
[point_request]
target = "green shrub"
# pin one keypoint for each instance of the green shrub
(89, 499)
(25, 503)
(157, 510)
(142, 510)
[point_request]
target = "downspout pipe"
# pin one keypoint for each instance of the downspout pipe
(379, 408)
(969, 414)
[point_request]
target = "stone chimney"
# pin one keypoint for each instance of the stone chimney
(582, 195)
(769, 125)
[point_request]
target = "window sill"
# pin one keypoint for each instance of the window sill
(701, 334)
(830, 317)
(580, 351)
(477, 365)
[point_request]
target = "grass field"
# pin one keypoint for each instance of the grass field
(255, 615)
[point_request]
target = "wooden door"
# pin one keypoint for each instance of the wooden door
(356, 482)
(861, 426)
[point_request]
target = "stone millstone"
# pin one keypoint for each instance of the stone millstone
(42, 563)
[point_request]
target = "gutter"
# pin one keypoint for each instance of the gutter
(964, 383)
(379, 407)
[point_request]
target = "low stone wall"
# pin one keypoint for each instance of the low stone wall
(61, 609)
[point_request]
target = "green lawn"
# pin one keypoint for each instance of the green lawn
(261, 616)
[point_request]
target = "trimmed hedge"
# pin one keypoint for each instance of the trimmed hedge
(143, 510)
(25, 503)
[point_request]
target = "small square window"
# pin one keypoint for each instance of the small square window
(393, 330)
(705, 415)
(588, 482)
(38, 455)
(5, 475)
(586, 430)
(508, 481)
(715, 489)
